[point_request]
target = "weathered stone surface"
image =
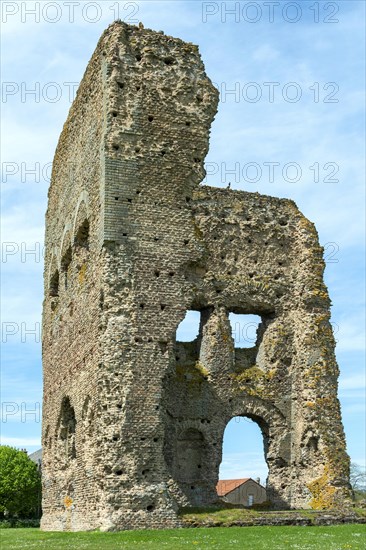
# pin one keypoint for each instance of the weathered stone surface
(133, 420)
(272, 518)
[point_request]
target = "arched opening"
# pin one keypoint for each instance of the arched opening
(190, 454)
(67, 428)
(243, 469)
(54, 284)
(65, 263)
(82, 235)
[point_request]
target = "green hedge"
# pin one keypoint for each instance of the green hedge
(17, 522)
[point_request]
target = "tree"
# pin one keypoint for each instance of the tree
(20, 483)
(358, 480)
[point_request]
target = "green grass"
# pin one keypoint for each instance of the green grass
(336, 537)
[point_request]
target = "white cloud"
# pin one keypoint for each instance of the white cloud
(21, 442)
(245, 464)
(265, 53)
(18, 227)
(353, 382)
(350, 338)
(21, 412)
(355, 408)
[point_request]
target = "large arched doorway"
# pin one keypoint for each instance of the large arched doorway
(243, 470)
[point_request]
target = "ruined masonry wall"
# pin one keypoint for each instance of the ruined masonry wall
(133, 421)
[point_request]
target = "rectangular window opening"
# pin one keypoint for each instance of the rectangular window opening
(244, 329)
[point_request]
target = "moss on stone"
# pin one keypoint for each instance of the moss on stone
(192, 373)
(324, 494)
(82, 273)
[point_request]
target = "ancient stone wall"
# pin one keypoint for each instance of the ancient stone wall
(133, 420)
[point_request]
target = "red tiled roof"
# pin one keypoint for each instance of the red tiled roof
(225, 486)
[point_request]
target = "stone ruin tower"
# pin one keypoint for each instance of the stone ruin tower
(133, 420)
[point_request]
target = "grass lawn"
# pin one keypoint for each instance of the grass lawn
(336, 537)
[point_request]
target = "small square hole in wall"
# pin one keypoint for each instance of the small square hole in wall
(244, 329)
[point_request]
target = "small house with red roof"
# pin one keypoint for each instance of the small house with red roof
(244, 491)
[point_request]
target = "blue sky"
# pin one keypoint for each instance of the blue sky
(290, 124)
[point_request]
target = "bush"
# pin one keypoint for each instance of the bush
(17, 522)
(20, 484)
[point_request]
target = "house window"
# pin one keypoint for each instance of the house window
(250, 500)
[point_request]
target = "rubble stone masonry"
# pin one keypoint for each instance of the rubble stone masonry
(133, 420)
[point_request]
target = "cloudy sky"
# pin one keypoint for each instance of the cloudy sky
(290, 124)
